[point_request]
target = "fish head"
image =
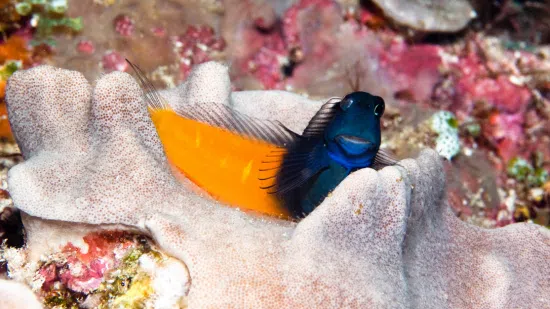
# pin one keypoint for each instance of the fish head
(353, 136)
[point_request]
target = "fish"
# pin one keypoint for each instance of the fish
(342, 137)
(260, 165)
(218, 149)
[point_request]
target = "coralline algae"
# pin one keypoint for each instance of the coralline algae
(383, 239)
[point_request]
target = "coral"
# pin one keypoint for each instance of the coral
(505, 132)
(478, 83)
(75, 266)
(413, 70)
(114, 61)
(124, 25)
(432, 16)
(85, 47)
(197, 45)
(381, 239)
(15, 295)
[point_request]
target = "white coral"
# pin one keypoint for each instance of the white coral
(383, 239)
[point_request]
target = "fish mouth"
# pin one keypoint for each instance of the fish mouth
(354, 145)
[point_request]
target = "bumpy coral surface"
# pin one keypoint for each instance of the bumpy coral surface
(16, 295)
(382, 239)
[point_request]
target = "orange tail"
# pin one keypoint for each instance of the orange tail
(223, 163)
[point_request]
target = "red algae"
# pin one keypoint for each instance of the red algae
(81, 271)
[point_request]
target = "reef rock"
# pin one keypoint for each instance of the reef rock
(383, 239)
(429, 15)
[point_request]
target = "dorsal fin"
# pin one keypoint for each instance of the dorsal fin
(220, 115)
(223, 116)
(150, 94)
(317, 124)
(384, 158)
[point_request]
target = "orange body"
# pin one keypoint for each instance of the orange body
(223, 163)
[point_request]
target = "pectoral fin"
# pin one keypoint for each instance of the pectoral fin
(383, 158)
(302, 162)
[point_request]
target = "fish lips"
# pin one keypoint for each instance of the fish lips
(354, 145)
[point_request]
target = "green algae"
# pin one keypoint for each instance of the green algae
(9, 68)
(63, 299)
(521, 170)
(128, 286)
(47, 16)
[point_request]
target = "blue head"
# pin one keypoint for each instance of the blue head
(353, 136)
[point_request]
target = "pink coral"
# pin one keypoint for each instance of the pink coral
(270, 53)
(84, 272)
(475, 83)
(195, 46)
(294, 25)
(266, 64)
(414, 69)
(114, 61)
(82, 278)
(158, 31)
(49, 275)
(124, 25)
(506, 133)
(85, 47)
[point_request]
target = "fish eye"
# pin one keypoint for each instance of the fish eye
(346, 103)
(379, 109)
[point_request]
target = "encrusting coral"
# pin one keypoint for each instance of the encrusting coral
(383, 239)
